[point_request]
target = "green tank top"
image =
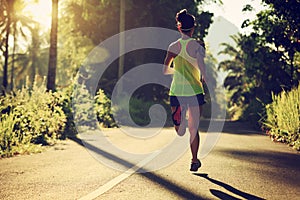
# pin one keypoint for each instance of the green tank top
(186, 78)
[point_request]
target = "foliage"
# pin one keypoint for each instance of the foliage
(138, 110)
(213, 98)
(29, 116)
(265, 61)
(103, 110)
(282, 119)
(88, 23)
(85, 109)
(275, 43)
(251, 112)
(10, 142)
(64, 100)
(83, 106)
(236, 79)
(236, 82)
(23, 31)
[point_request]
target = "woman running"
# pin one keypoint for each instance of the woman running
(186, 92)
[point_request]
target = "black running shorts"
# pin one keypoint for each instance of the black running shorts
(197, 100)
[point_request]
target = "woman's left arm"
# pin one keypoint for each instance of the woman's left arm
(200, 60)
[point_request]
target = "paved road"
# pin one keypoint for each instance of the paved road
(243, 165)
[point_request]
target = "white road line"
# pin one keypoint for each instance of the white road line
(109, 185)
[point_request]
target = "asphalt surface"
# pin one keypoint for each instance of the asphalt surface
(244, 164)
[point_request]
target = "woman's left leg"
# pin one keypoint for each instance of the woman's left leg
(193, 124)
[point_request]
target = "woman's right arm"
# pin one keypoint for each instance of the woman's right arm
(167, 63)
(171, 54)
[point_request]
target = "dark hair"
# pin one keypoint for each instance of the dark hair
(185, 20)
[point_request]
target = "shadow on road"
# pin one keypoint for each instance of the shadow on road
(178, 190)
(285, 165)
(233, 127)
(222, 195)
(231, 189)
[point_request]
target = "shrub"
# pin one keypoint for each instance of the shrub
(7, 137)
(139, 112)
(251, 113)
(83, 107)
(103, 110)
(11, 142)
(64, 100)
(29, 116)
(282, 119)
(86, 109)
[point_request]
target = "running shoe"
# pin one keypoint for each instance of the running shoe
(195, 166)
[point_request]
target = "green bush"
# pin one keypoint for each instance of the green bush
(11, 141)
(103, 110)
(251, 113)
(86, 109)
(282, 119)
(64, 99)
(83, 107)
(29, 116)
(139, 111)
(32, 117)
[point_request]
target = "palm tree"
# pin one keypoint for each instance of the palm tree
(13, 23)
(236, 81)
(32, 62)
(20, 23)
(53, 48)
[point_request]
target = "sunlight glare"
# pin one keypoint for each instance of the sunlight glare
(40, 11)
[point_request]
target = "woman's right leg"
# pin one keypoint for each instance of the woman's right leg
(181, 129)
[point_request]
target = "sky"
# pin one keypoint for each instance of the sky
(40, 11)
(232, 10)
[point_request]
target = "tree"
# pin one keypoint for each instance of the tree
(19, 25)
(6, 12)
(53, 48)
(32, 62)
(278, 29)
(264, 62)
(213, 98)
(89, 22)
(236, 82)
(235, 67)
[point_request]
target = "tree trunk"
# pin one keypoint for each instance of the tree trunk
(5, 67)
(121, 44)
(34, 53)
(13, 54)
(53, 48)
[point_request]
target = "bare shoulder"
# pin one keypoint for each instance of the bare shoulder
(197, 46)
(194, 47)
(175, 47)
